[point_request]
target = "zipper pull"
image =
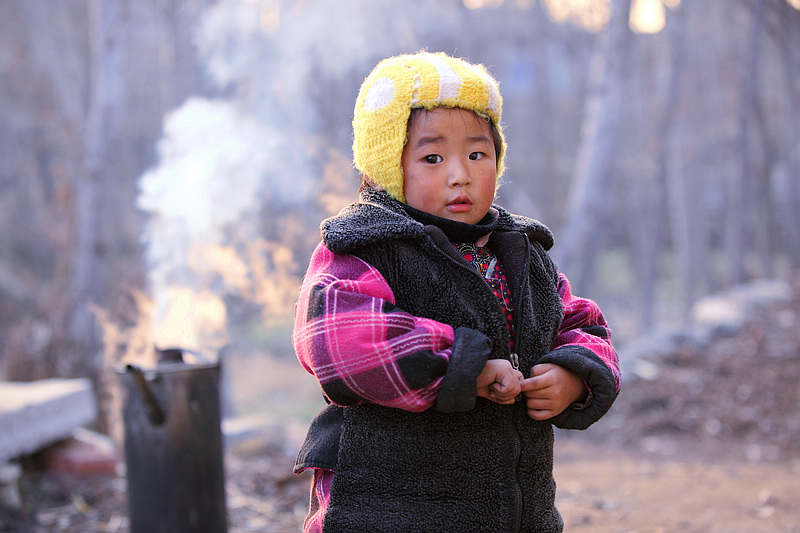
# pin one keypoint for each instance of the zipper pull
(490, 268)
(515, 363)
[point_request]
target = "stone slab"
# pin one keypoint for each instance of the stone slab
(39, 413)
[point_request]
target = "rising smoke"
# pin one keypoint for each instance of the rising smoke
(221, 161)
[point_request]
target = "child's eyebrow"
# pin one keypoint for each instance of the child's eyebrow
(480, 139)
(424, 141)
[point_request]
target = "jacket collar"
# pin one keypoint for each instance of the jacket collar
(378, 217)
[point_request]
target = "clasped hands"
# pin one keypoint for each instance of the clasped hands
(548, 391)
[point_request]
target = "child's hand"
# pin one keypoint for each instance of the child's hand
(550, 390)
(499, 381)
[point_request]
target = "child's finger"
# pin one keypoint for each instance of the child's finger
(506, 390)
(502, 401)
(531, 384)
(540, 414)
(542, 369)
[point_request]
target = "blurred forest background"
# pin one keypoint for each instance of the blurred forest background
(165, 164)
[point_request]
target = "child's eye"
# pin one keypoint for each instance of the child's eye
(476, 155)
(433, 159)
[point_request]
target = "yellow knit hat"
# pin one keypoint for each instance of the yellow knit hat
(401, 83)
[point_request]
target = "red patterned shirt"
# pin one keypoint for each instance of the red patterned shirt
(493, 272)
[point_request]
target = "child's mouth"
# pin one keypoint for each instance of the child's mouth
(459, 204)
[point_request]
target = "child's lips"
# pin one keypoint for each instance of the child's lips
(459, 204)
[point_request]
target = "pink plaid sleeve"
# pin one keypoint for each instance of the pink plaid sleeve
(584, 325)
(362, 348)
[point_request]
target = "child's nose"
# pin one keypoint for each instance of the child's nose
(459, 175)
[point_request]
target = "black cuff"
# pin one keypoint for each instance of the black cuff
(321, 446)
(580, 405)
(471, 350)
(597, 376)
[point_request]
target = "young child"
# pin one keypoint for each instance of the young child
(444, 338)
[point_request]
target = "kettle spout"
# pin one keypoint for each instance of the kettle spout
(153, 410)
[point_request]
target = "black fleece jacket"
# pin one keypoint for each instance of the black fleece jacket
(469, 464)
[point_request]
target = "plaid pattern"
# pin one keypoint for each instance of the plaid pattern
(319, 500)
(360, 347)
(584, 325)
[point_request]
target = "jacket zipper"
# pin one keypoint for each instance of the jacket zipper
(516, 520)
(518, 298)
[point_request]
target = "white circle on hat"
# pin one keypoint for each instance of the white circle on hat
(380, 94)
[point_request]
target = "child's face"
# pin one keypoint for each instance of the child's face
(449, 164)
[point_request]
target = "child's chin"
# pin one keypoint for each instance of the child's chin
(464, 218)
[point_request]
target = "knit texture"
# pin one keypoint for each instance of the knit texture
(402, 83)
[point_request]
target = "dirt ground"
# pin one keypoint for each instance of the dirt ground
(618, 492)
(705, 437)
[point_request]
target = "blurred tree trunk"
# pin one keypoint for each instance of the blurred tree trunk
(741, 221)
(683, 212)
(688, 232)
(538, 198)
(90, 274)
(786, 34)
(766, 211)
(650, 232)
(49, 103)
(592, 178)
